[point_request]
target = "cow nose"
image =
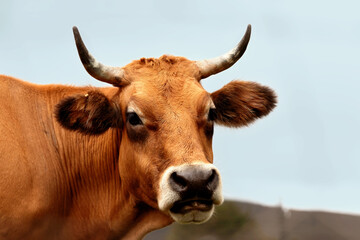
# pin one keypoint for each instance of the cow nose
(195, 182)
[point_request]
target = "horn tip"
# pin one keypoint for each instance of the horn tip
(248, 29)
(75, 30)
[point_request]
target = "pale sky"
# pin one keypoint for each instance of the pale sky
(305, 154)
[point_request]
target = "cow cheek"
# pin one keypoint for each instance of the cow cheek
(148, 180)
(137, 174)
(127, 166)
(205, 136)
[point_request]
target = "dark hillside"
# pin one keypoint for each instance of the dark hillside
(247, 221)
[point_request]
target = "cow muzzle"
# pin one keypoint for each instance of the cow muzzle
(189, 192)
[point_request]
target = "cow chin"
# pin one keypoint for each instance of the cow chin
(196, 206)
(193, 216)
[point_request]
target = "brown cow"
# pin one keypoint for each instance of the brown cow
(117, 162)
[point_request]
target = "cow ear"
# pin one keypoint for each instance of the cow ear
(92, 113)
(240, 103)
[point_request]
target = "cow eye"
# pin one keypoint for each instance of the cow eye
(211, 115)
(134, 119)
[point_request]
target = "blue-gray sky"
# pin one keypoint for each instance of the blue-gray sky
(306, 154)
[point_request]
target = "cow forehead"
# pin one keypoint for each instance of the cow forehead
(164, 82)
(166, 65)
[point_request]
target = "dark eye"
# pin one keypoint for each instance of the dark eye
(212, 114)
(134, 119)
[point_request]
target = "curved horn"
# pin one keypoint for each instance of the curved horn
(212, 66)
(112, 75)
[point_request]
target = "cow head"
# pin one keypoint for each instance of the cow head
(167, 119)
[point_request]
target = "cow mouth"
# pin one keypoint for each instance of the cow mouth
(185, 206)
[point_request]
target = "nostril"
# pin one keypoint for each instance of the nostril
(212, 176)
(213, 180)
(178, 182)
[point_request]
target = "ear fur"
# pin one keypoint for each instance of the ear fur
(92, 113)
(239, 103)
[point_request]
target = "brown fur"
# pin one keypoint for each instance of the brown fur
(61, 184)
(91, 113)
(240, 103)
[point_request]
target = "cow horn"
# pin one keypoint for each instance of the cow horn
(112, 75)
(212, 66)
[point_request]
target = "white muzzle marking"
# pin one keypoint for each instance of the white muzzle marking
(167, 196)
